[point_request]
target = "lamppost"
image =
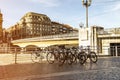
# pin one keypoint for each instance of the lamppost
(9, 41)
(86, 3)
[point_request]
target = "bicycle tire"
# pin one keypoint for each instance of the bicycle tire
(82, 57)
(35, 57)
(75, 58)
(93, 57)
(50, 58)
(70, 58)
(61, 59)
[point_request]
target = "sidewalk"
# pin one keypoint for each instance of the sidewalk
(6, 59)
(27, 70)
(24, 67)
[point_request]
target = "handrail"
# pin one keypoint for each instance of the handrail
(53, 37)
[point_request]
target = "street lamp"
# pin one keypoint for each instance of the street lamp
(86, 3)
(9, 40)
(81, 25)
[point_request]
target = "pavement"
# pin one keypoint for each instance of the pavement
(107, 68)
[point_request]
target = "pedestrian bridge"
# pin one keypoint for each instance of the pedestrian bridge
(44, 41)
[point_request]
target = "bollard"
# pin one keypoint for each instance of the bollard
(15, 56)
(116, 52)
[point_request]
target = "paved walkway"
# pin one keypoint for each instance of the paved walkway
(6, 59)
(106, 69)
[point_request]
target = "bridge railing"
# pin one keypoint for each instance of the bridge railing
(58, 36)
(68, 35)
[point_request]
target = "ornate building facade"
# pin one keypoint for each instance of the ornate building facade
(58, 28)
(35, 24)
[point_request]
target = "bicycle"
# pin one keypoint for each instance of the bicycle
(90, 54)
(67, 56)
(54, 55)
(37, 55)
(78, 56)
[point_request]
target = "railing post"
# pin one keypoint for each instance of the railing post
(15, 56)
(116, 52)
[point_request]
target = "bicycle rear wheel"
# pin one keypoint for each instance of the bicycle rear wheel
(93, 57)
(82, 57)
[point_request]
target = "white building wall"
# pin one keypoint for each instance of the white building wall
(84, 37)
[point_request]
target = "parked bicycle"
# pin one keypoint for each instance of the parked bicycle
(78, 56)
(67, 56)
(90, 54)
(54, 55)
(37, 55)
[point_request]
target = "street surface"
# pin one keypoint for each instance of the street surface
(107, 68)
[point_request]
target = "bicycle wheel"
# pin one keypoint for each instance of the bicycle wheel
(74, 58)
(75, 55)
(70, 58)
(61, 59)
(50, 58)
(93, 57)
(82, 57)
(35, 57)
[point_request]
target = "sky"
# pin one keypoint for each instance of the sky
(105, 13)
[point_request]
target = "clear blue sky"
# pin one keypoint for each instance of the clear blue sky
(104, 13)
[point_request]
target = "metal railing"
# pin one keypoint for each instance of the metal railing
(53, 37)
(20, 55)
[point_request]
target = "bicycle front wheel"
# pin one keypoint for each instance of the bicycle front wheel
(35, 57)
(50, 58)
(61, 59)
(93, 57)
(70, 58)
